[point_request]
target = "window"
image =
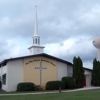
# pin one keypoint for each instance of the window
(36, 40)
(4, 79)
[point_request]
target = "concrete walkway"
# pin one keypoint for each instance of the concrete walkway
(85, 88)
(81, 89)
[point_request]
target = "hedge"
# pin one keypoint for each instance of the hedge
(54, 85)
(25, 86)
(69, 82)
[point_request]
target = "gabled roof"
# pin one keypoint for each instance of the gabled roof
(88, 69)
(42, 54)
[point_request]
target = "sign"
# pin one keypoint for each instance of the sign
(41, 60)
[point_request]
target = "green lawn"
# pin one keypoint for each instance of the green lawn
(81, 95)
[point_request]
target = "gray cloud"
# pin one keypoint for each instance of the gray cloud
(58, 21)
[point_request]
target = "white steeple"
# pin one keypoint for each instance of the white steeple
(36, 48)
(36, 38)
(36, 24)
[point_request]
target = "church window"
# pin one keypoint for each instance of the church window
(4, 79)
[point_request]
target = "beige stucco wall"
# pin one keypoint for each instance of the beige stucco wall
(33, 75)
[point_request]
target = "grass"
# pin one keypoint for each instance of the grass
(80, 95)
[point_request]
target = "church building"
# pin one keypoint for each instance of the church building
(37, 67)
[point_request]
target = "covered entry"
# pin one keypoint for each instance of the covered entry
(87, 80)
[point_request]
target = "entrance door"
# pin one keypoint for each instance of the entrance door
(84, 82)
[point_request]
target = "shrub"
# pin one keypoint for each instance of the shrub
(25, 86)
(69, 82)
(54, 85)
(38, 88)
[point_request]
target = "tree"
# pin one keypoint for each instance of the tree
(96, 73)
(78, 72)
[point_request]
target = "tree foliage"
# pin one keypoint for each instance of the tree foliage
(96, 73)
(78, 72)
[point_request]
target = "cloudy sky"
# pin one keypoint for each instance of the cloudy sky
(66, 27)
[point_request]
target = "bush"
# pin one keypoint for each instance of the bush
(54, 85)
(69, 82)
(38, 88)
(25, 86)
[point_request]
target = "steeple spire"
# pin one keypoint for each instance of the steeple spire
(36, 48)
(36, 24)
(36, 38)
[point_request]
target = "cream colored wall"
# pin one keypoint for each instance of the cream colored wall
(69, 70)
(88, 75)
(62, 70)
(33, 75)
(14, 74)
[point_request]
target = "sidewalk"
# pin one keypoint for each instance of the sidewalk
(81, 89)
